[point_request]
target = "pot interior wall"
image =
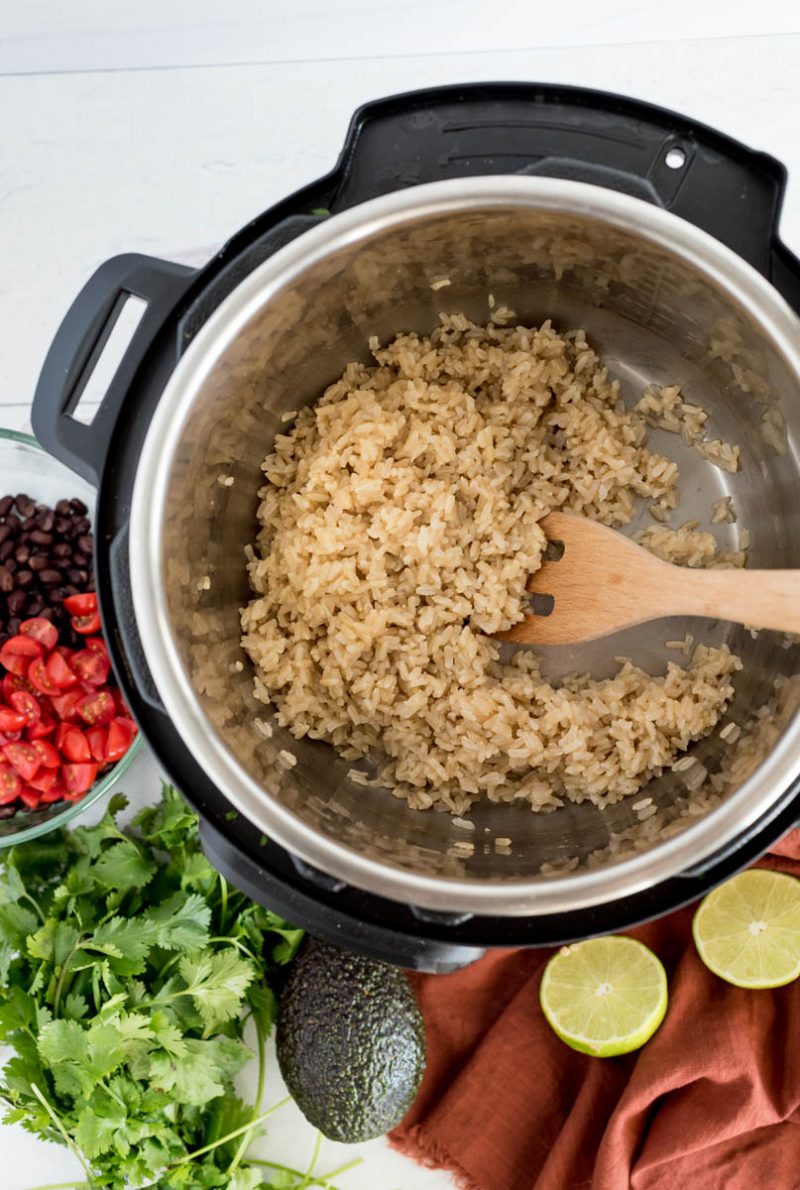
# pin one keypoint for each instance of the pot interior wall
(654, 319)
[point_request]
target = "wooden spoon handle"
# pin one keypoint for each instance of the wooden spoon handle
(758, 598)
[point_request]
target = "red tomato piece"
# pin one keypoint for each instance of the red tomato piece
(86, 625)
(39, 677)
(91, 667)
(81, 605)
(66, 705)
(11, 720)
(40, 630)
(12, 682)
(41, 729)
(30, 797)
(49, 757)
(26, 705)
(10, 784)
(97, 709)
(97, 645)
(75, 746)
(60, 672)
(56, 793)
(78, 777)
(23, 759)
(96, 737)
(44, 780)
(23, 646)
(119, 740)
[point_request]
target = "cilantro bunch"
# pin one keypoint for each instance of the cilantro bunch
(128, 969)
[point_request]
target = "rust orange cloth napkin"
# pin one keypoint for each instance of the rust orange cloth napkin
(712, 1102)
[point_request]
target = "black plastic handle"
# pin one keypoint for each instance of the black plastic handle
(693, 171)
(78, 345)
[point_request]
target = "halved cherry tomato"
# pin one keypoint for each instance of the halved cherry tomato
(81, 605)
(96, 737)
(86, 625)
(27, 706)
(119, 740)
(23, 759)
(18, 652)
(55, 793)
(91, 667)
(66, 705)
(12, 682)
(97, 709)
(41, 630)
(11, 720)
(41, 729)
(62, 730)
(45, 780)
(97, 645)
(60, 672)
(75, 747)
(78, 777)
(30, 797)
(10, 784)
(39, 676)
(49, 756)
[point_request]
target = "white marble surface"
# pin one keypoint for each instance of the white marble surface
(162, 127)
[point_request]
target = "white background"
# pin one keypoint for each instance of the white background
(163, 127)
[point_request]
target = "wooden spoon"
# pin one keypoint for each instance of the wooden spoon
(605, 582)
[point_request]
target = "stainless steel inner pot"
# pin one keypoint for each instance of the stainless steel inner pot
(664, 303)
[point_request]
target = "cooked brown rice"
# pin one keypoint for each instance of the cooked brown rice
(399, 522)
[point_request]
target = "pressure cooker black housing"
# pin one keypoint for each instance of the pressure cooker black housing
(729, 191)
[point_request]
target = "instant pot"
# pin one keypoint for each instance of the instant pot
(659, 237)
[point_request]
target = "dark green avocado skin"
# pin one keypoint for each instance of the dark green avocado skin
(350, 1041)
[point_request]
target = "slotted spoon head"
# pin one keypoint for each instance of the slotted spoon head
(602, 582)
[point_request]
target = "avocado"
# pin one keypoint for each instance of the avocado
(350, 1041)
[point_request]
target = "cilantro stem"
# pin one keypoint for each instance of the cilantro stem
(223, 908)
(323, 1179)
(248, 1136)
(223, 1140)
(67, 1138)
(315, 1154)
(62, 975)
(32, 900)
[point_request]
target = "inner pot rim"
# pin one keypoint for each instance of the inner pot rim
(528, 896)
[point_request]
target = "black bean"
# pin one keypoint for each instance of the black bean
(7, 811)
(78, 506)
(49, 577)
(11, 565)
(63, 508)
(6, 550)
(86, 544)
(35, 607)
(72, 589)
(23, 578)
(80, 559)
(39, 537)
(62, 550)
(16, 602)
(25, 506)
(6, 504)
(13, 625)
(22, 553)
(6, 580)
(62, 525)
(83, 525)
(5, 533)
(13, 522)
(39, 562)
(76, 576)
(46, 519)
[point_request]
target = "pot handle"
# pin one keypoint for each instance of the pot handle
(697, 173)
(80, 343)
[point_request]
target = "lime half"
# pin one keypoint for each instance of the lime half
(747, 931)
(605, 996)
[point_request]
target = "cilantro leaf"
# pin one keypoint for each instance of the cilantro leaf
(216, 983)
(182, 922)
(123, 866)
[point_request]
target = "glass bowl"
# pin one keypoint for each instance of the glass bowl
(25, 467)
